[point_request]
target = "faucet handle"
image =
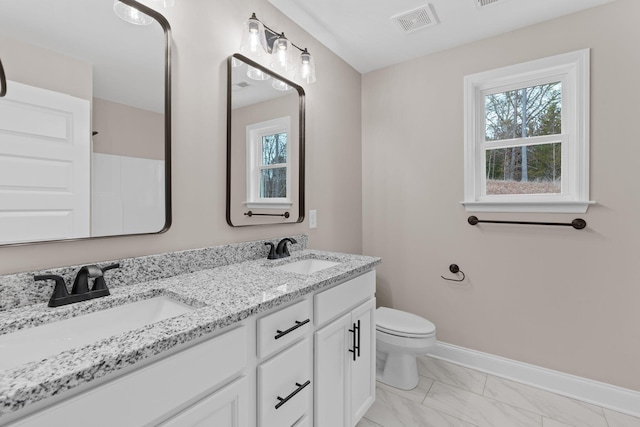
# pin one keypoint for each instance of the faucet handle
(60, 289)
(99, 283)
(111, 267)
(272, 250)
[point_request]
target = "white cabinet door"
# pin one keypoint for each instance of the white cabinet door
(332, 354)
(345, 368)
(363, 375)
(224, 408)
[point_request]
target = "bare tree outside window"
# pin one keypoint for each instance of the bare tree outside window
(517, 115)
(273, 179)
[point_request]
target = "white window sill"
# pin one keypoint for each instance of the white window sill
(534, 207)
(268, 205)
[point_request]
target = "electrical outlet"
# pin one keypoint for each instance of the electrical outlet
(313, 218)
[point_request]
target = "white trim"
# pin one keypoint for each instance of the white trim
(590, 391)
(572, 69)
(254, 133)
(260, 205)
(536, 207)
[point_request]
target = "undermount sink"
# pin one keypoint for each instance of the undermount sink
(306, 266)
(39, 342)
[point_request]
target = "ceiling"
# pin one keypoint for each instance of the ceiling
(246, 91)
(363, 34)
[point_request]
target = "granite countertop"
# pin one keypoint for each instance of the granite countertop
(222, 296)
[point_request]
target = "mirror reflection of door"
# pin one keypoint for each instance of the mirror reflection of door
(82, 128)
(45, 176)
(265, 147)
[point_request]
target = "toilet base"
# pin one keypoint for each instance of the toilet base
(399, 370)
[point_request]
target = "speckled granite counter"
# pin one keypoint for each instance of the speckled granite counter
(223, 296)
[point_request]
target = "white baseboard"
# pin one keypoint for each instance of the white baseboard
(598, 393)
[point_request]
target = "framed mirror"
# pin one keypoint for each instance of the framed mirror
(85, 125)
(265, 146)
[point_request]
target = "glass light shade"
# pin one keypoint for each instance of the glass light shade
(306, 71)
(131, 14)
(280, 85)
(254, 41)
(256, 74)
(281, 57)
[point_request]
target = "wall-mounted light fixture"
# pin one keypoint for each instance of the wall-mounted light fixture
(259, 40)
(135, 16)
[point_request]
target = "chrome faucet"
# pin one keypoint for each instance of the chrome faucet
(80, 290)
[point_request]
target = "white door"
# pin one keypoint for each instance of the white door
(363, 368)
(332, 344)
(224, 408)
(45, 164)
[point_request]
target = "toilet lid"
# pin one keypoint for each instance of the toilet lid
(401, 323)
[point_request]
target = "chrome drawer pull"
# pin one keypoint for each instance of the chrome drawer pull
(291, 329)
(296, 391)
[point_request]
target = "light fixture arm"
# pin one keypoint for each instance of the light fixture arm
(272, 35)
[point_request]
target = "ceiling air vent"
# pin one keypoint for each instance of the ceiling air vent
(415, 19)
(482, 3)
(239, 86)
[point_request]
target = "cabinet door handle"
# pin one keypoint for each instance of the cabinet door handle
(356, 340)
(291, 329)
(354, 350)
(283, 400)
(358, 332)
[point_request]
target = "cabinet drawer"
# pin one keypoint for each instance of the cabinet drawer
(341, 298)
(284, 386)
(147, 394)
(279, 329)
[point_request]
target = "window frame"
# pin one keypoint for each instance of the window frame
(254, 134)
(572, 70)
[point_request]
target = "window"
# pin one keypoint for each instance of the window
(268, 164)
(527, 137)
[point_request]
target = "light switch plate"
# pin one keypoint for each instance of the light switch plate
(313, 218)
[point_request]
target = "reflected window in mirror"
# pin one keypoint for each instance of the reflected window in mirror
(268, 164)
(265, 146)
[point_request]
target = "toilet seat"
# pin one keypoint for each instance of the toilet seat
(400, 323)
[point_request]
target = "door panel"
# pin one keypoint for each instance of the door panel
(45, 163)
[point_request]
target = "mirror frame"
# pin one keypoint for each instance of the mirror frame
(160, 19)
(301, 143)
(3, 81)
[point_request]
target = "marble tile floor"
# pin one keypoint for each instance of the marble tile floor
(449, 395)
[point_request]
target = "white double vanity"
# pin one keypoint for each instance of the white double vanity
(263, 343)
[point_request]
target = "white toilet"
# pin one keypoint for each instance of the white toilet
(400, 338)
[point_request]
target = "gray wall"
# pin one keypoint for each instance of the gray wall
(554, 297)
